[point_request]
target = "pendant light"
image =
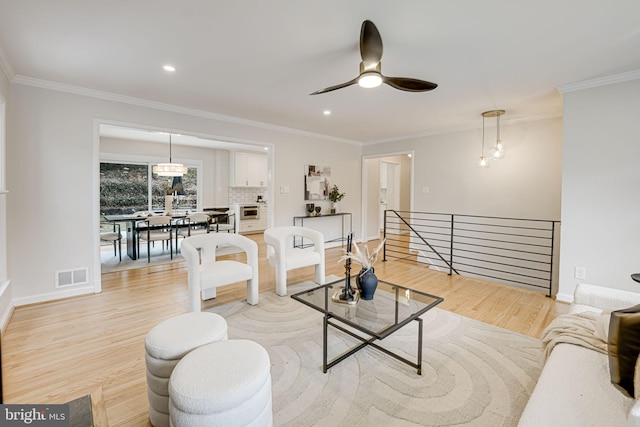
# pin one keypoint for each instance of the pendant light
(170, 169)
(483, 162)
(498, 150)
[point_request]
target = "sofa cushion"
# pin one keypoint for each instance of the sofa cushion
(574, 390)
(624, 347)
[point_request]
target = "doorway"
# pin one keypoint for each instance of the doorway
(149, 146)
(387, 183)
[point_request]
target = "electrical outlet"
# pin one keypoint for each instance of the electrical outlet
(284, 189)
(425, 190)
(580, 273)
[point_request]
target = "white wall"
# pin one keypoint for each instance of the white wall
(525, 184)
(344, 160)
(600, 187)
(52, 207)
(5, 285)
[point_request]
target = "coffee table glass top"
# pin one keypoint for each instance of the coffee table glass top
(392, 306)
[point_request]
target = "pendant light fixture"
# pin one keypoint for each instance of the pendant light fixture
(483, 162)
(170, 169)
(498, 150)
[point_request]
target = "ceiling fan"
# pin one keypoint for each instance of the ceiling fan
(370, 75)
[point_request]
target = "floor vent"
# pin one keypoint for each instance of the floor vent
(65, 278)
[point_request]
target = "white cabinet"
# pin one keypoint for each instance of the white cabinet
(248, 226)
(248, 170)
(264, 217)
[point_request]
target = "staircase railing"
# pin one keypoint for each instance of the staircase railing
(515, 251)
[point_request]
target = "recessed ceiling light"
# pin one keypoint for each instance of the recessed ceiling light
(170, 68)
(326, 112)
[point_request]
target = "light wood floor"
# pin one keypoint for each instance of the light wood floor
(57, 351)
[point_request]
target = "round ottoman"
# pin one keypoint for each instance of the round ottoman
(167, 343)
(226, 384)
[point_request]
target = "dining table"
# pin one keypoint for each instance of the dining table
(133, 221)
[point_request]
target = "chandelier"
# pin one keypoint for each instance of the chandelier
(170, 169)
(498, 151)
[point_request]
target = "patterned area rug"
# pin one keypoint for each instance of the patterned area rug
(473, 374)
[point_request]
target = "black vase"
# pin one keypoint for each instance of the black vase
(367, 283)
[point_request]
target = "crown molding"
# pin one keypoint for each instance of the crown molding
(108, 96)
(5, 66)
(600, 81)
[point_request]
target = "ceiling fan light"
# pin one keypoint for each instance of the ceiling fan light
(370, 79)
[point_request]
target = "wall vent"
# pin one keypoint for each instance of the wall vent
(75, 277)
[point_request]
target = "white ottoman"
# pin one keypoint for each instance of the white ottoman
(165, 345)
(225, 384)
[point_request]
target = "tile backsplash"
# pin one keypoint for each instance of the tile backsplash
(246, 194)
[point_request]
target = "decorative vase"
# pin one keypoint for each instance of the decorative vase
(309, 207)
(367, 283)
(334, 207)
(168, 204)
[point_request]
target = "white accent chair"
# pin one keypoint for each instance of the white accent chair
(206, 273)
(282, 254)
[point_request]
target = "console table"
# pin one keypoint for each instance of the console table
(344, 216)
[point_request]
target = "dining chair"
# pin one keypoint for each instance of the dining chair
(205, 272)
(196, 223)
(282, 254)
(229, 226)
(112, 236)
(156, 228)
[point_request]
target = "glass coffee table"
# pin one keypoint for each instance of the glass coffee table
(392, 307)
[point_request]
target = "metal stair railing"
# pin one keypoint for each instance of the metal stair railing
(515, 251)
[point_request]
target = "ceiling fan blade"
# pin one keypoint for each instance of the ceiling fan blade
(370, 44)
(340, 86)
(409, 85)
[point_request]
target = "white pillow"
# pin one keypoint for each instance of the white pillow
(602, 326)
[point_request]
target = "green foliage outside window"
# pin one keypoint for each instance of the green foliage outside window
(124, 189)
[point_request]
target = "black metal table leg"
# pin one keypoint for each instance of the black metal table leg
(419, 320)
(324, 343)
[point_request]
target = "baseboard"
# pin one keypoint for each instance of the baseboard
(51, 296)
(568, 298)
(7, 309)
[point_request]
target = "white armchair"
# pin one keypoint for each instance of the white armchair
(282, 254)
(206, 273)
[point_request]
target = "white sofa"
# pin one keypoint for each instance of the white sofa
(574, 388)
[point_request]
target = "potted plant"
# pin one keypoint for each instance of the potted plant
(366, 280)
(335, 196)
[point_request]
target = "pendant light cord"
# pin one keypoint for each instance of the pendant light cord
(482, 153)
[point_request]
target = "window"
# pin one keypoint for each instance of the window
(129, 187)
(184, 188)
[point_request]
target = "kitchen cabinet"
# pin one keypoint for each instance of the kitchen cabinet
(248, 170)
(248, 226)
